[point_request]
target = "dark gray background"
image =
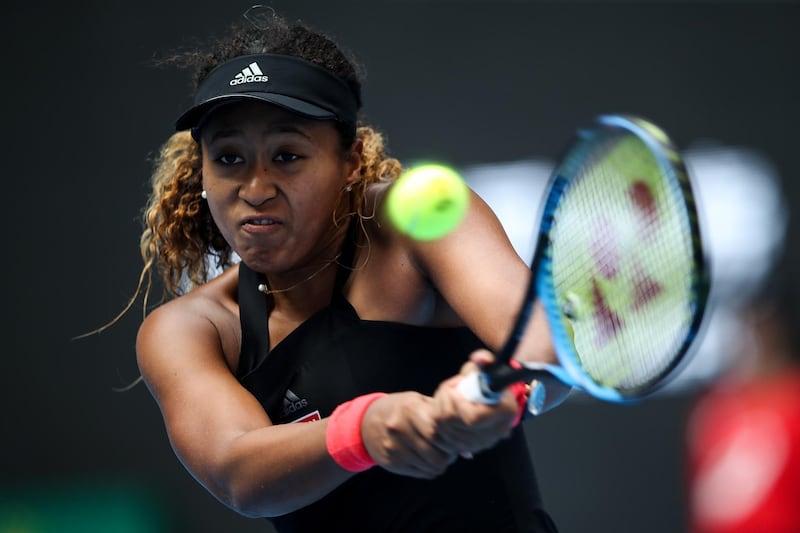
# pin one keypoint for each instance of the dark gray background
(461, 81)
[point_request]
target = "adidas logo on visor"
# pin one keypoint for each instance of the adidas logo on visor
(249, 74)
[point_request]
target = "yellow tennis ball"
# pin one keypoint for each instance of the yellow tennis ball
(427, 202)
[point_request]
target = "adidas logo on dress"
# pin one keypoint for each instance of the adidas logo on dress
(292, 403)
(249, 74)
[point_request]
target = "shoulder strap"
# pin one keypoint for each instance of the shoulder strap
(253, 318)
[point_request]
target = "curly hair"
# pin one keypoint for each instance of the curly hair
(180, 239)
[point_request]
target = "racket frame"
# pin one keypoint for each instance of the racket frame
(495, 378)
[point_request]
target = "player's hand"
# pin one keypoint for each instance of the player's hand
(399, 432)
(467, 427)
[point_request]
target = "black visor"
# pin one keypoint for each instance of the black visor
(289, 82)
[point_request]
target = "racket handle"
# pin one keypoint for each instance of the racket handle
(488, 386)
(474, 388)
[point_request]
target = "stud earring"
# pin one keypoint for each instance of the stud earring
(348, 188)
(203, 194)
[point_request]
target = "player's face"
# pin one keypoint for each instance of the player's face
(274, 182)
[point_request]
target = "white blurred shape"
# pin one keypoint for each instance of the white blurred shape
(743, 217)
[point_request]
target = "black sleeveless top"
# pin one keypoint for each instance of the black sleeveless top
(334, 357)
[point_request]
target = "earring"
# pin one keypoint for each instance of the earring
(203, 194)
(348, 188)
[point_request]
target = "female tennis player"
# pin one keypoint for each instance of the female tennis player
(322, 313)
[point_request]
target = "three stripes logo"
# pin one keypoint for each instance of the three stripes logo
(249, 74)
(292, 403)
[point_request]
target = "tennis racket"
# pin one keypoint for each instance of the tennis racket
(619, 268)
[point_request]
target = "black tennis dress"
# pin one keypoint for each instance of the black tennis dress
(334, 357)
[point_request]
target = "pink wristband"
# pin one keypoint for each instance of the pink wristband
(343, 435)
(521, 391)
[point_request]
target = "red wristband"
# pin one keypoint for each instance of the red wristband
(521, 392)
(343, 435)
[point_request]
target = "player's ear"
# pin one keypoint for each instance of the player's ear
(352, 161)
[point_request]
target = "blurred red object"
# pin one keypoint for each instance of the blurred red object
(743, 435)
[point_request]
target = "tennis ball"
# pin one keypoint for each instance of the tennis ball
(427, 202)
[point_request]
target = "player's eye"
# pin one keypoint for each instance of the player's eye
(286, 157)
(229, 159)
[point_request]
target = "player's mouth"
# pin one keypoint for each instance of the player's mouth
(259, 223)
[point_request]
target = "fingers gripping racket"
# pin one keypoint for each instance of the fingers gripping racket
(619, 269)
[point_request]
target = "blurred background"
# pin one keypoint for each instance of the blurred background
(495, 88)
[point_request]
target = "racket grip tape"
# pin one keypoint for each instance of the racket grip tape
(475, 388)
(343, 434)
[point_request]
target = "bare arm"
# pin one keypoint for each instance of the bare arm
(222, 435)
(482, 277)
(219, 430)
(478, 272)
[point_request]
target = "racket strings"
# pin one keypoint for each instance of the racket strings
(624, 220)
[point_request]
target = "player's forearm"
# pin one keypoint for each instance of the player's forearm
(276, 470)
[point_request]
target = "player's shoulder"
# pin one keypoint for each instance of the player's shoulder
(206, 307)
(194, 330)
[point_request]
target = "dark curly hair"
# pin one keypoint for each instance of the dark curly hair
(180, 238)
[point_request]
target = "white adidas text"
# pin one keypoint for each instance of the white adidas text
(250, 74)
(248, 79)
